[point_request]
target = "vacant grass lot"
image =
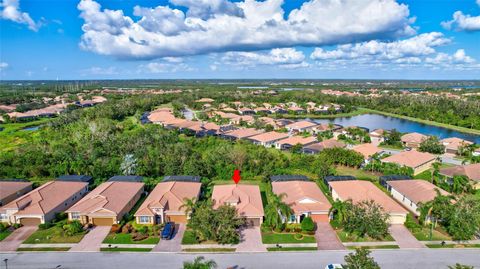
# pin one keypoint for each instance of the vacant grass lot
(358, 173)
(53, 235)
(286, 238)
(120, 238)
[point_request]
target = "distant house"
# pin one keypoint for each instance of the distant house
(165, 202)
(241, 133)
(453, 144)
(303, 196)
(289, 142)
(360, 190)
(264, 110)
(413, 140)
(245, 198)
(296, 110)
(377, 136)
(267, 139)
(108, 203)
(472, 171)
(367, 150)
(205, 100)
(320, 128)
(301, 126)
(12, 189)
(246, 111)
(239, 119)
(325, 144)
(418, 161)
(41, 205)
(412, 192)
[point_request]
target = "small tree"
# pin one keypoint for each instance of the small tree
(367, 218)
(460, 266)
(432, 145)
(360, 260)
(200, 263)
(307, 224)
(277, 211)
(73, 228)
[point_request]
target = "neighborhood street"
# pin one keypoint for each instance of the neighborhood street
(405, 259)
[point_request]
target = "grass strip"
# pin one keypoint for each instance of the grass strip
(375, 247)
(209, 250)
(43, 249)
(126, 249)
(292, 249)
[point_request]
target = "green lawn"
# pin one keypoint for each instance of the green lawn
(210, 250)
(189, 238)
(13, 135)
(4, 234)
(423, 234)
(53, 235)
(126, 249)
(344, 237)
(43, 249)
(358, 173)
(425, 175)
(293, 249)
(286, 238)
(121, 238)
(453, 246)
(375, 247)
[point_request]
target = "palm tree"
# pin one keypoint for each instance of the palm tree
(277, 211)
(339, 209)
(188, 205)
(435, 172)
(200, 263)
(460, 184)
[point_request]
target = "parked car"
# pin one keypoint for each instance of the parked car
(167, 232)
(334, 266)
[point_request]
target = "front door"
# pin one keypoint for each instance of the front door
(158, 219)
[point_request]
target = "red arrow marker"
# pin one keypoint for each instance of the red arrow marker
(236, 176)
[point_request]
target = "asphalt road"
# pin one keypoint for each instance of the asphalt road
(419, 258)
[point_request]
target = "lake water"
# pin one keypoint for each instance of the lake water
(376, 121)
(31, 128)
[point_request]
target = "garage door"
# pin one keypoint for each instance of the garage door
(30, 221)
(253, 222)
(320, 217)
(103, 221)
(178, 218)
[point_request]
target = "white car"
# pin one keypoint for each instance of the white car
(334, 266)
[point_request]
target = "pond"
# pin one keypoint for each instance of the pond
(31, 128)
(375, 121)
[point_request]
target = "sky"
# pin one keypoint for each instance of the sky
(224, 39)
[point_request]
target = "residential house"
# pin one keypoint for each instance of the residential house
(11, 189)
(453, 144)
(301, 126)
(108, 203)
(303, 196)
(413, 140)
(472, 171)
(241, 133)
(377, 136)
(246, 111)
(410, 193)
(205, 100)
(245, 198)
(418, 161)
(291, 141)
(41, 204)
(325, 144)
(367, 150)
(166, 202)
(361, 190)
(267, 139)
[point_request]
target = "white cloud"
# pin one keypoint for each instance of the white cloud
(423, 44)
(3, 65)
(95, 70)
(458, 58)
(220, 25)
(463, 22)
(281, 57)
(11, 11)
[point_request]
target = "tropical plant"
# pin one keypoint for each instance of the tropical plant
(461, 184)
(367, 218)
(432, 145)
(188, 205)
(200, 263)
(277, 211)
(339, 210)
(72, 228)
(360, 260)
(307, 224)
(460, 266)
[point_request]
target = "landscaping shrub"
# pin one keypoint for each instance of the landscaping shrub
(60, 216)
(73, 228)
(139, 236)
(144, 230)
(16, 225)
(307, 224)
(44, 226)
(127, 228)
(3, 227)
(287, 230)
(116, 228)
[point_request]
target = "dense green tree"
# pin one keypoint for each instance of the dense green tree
(276, 211)
(307, 224)
(366, 219)
(200, 263)
(360, 260)
(432, 145)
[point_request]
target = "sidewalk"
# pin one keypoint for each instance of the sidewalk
(404, 237)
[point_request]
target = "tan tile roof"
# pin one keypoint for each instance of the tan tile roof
(160, 116)
(360, 190)
(45, 198)
(301, 125)
(377, 132)
(269, 136)
(326, 144)
(411, 158)
(109, 197)
(8, 188)
(302, 196)
(416, 190)
(454, 143)
(367, 149)
(244, 132)
(170, 196)
(205, 100)
(413, 138)
(246, 197)
(472, 171)
(294, 140)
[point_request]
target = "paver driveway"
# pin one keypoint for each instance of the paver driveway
(404, 238)
(251, 240)
(15, 239)
(174, 244)
(93, 239)
(327, 238)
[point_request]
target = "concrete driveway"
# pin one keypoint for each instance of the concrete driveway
(327, 238)
(174, 244)
(404, 237)
(15, 239)
(251, 240)
(93, 239)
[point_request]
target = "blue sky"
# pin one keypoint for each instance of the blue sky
(123, 39)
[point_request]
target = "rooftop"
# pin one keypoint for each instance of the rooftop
(302, 196)
(126, 178)
(289, 178)
(294, 140)
(82, 178)
(8, 188)
(244, 132)
(367, 149)
(411, 158)
(413, 138)
(416, 190)
(269, 136)
(182, 178)
(245, 198)
(301, 124)
(472, 171)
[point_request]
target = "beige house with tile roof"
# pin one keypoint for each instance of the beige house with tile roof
(418, 161)
(367, 150)
(413, 140)
(472, 171)
(165, 202)
(107, 204)
(11, 190)
(245, 198)
(301, 126)
(291, 141)
(453, 144)
(267, 139)
(41, 205)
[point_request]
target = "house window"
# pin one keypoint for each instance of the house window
(144, 219)
(75, 215)
(293, 218)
